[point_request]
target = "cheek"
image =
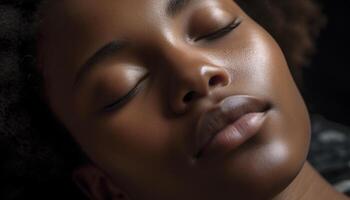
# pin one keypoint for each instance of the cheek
(129, 139)
(289, 117)
(130, 132)
(265, 72)
(276, 155)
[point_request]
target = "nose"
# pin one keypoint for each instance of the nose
(191, 77)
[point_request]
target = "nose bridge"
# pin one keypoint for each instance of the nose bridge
(186, 67)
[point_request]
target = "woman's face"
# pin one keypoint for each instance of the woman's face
(135, 81)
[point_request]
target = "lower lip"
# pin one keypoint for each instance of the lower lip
(235, 134)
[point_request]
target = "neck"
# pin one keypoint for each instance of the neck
(309, 185)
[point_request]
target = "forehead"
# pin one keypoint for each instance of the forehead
(125, 10)
(85, 12)
(114, 16)
(77, 21)
(71, 26)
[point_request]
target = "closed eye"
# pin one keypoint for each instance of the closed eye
(124, 99)
(221, 32)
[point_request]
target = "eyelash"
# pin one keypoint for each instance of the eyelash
(221, 32)
(126, 97)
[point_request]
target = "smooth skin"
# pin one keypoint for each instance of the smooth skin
(175, 64)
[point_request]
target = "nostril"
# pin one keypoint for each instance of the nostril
(189, 96)
(216, 80)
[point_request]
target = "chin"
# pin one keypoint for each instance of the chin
(264, 166)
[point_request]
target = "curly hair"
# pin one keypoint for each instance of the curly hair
(36, 151)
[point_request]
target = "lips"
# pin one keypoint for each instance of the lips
(230, 123)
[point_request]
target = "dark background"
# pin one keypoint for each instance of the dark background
(327, 79)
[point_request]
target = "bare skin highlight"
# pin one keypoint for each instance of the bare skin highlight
(131, 81)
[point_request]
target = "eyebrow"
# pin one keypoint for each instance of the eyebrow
(173, 8)
(106, 51)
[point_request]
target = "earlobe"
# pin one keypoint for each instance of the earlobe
(96, 185)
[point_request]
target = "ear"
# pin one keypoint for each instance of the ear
(96, 185)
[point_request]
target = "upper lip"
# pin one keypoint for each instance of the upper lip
(226, 112)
